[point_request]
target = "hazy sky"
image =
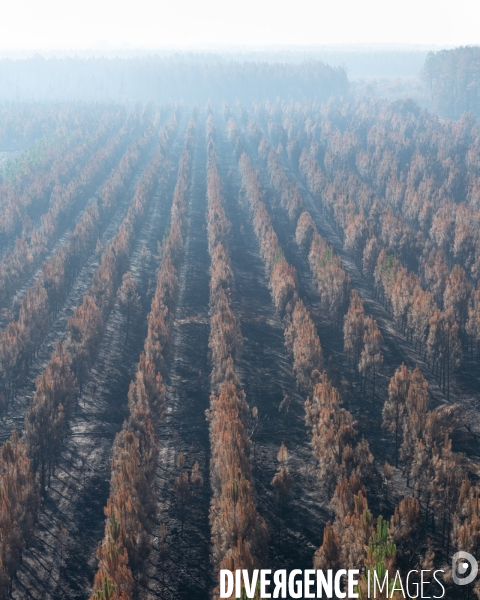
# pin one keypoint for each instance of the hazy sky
(28, 24)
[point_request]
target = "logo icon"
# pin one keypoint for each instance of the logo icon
(464, 568)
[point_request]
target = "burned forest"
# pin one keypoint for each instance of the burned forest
(239, 326)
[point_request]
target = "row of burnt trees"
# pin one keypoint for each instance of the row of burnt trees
(56, 390)
(239, 534)
(21, 338)
(300, 334)
(332, 282)
(131, 504)
(19, 500)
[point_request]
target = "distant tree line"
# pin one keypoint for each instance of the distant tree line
(453, 80)
(158, 79)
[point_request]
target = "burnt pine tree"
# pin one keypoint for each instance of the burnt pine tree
(128, 301)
